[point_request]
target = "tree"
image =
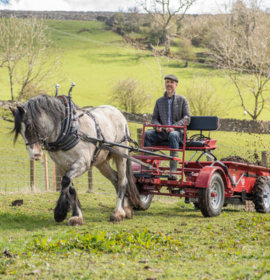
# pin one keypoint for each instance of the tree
(203, 99)
(5, 1)
(26, 50)
(130, 95)
(166, 15)
(241, 47)
(196, 28)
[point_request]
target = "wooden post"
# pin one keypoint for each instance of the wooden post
(46, 172)
(265, 159)
(32, 176)
(139, 137)
(54, 177)
(90, 181)
(58, 179)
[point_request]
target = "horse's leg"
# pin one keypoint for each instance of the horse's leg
(122, 209)
(69, 196)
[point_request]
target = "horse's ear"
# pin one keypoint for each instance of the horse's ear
(21, 110)
(12, 111)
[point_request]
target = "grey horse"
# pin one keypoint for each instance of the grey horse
(40, 119)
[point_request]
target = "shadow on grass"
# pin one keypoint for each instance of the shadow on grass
(26, 221)
(118, 58)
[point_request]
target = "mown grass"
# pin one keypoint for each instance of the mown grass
(181, 243)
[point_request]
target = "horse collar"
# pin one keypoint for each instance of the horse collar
(68, 137)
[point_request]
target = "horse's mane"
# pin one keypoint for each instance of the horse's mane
(34, 107)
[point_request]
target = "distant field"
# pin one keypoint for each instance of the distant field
(95, 59)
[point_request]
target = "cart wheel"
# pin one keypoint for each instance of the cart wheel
(211, 199)
(261, 196)
(146, 200)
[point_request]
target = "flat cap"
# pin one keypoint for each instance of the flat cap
(171, 77)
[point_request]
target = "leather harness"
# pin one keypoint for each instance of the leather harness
(70, 133)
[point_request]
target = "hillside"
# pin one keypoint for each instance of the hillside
(95, 58)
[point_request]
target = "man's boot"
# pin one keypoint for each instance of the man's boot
(173, 165)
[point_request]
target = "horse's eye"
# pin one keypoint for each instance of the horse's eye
(29, 127)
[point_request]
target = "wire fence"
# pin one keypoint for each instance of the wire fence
(18, 174)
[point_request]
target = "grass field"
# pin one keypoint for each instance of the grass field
(169, 241)
(95, 59)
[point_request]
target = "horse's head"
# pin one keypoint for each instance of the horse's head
(25, 126)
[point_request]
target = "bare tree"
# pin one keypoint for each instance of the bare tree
(241, 47)
(166, 15)
(196, 28)
(130, 95)
(26, 50)
(203, 99)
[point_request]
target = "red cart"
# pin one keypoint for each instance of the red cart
(210, 185)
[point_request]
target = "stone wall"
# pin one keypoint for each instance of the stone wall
(247, 126)
(57, 15)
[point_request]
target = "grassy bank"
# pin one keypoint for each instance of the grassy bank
(96, 58)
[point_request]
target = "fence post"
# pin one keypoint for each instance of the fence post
(46, 173)
(54, 177)
(32, 176)
(265, 159)
(58, 180)
(90, 181)
(139, 137)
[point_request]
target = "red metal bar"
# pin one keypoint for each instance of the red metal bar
(184, 148)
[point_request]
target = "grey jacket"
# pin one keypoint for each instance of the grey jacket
(179, 108)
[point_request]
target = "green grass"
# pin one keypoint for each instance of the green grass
(95, 59)
(178, 244)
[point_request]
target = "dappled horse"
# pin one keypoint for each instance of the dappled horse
(60, 127)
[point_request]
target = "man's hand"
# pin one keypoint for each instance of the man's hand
(158, 129)
(169, 129)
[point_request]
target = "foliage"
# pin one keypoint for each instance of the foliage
(134, 20)
(241, 47)
(186, 50)
(166, 15)
(129, 95)
(116, 242)
(197, 28)
(26, 50)
(203, 99)
(117, 18)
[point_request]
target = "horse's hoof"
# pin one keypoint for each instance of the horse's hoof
(116, 216)
(129, 212)
(75, 221)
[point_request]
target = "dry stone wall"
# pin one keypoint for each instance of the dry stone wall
(57, 15)
(247, 126)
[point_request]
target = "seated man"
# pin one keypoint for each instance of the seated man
(170, 109)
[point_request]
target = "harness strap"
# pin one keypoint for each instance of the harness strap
(99, 135)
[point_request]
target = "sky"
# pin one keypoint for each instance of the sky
(202, 6)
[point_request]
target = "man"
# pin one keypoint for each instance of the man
(169, 110)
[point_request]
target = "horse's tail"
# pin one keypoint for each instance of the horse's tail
(132, 191)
